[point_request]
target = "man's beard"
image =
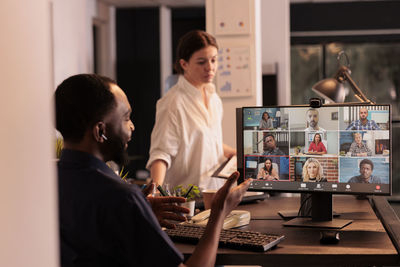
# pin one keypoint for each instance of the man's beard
(313, 124)
(115, 151)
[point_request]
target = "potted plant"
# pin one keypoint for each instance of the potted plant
(190, 192)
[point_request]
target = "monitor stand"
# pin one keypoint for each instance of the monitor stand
(291, 214)
(321, 214)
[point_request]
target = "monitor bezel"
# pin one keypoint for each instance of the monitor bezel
(241, 156)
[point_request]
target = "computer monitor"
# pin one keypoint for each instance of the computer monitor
(333, 149)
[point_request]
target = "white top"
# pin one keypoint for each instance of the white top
(188, 137)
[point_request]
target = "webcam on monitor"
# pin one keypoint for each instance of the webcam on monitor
(316, 102)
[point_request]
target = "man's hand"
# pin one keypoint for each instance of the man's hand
(148, 190)
(227, 198)
(165, 208)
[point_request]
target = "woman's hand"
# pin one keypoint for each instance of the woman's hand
(229, 151)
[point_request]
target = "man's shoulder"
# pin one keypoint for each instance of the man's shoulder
(278, 151)
(375, 179)
(373, 123)
(354, 179)
(94, 182)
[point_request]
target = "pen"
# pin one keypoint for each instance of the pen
(162, 191)
(190, 189)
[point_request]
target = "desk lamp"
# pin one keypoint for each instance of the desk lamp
(332, 89)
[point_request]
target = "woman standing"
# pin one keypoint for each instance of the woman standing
(316, 146)
(268, 172)
(186, 142)
(266, 122)
(313, 172)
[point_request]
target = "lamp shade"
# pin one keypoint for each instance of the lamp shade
(330, 89)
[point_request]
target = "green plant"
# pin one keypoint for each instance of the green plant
(181, 191)
(114, 167)
(122, 174)
(59, 147)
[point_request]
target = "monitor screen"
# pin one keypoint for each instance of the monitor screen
(335, 149)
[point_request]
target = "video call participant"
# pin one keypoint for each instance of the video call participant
(363, 123)
(312, 117)
(266, 122)
(105, 221)
(316, 146)
(272, 149)
(366, 168)
(186, 142)
(358, 148)
(268, 172)
(313, 171)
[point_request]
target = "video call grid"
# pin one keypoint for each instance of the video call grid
(340, 158)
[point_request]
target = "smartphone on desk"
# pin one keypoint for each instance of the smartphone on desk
(236, 218)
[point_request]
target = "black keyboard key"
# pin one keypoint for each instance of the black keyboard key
(230, 238)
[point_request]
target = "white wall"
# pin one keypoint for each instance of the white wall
(28, 200)
(165, 46)
(106, 42)
(272, 19)
(253, 40)
(275, 43)
(72, 37)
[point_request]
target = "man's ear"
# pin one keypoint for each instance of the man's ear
(99, 130)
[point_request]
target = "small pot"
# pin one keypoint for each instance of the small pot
(190, 205)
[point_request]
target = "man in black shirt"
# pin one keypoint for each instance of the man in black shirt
(103, 220)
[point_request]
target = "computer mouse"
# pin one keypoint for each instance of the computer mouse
(329, 237)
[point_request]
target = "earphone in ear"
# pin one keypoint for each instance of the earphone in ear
(104, 137)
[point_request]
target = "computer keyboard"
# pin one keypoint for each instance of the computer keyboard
(229, 238)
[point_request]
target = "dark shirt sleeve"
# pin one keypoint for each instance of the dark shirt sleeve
(143, 243)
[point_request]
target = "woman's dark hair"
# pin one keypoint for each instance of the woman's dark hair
(320, 138)
(81, 101)
(189, 44)
(265, 166)
(262, 117)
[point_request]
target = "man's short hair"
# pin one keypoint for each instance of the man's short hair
(81, 101)
(367, 161)
(312, 109)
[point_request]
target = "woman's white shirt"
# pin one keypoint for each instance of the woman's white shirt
(188, 136)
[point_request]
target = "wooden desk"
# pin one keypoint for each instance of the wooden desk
(362, 243)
